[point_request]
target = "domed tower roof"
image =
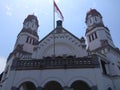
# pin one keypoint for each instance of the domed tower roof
(30, 25)
(30, 17)
(93, 12)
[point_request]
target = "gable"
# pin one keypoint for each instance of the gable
(61, 42)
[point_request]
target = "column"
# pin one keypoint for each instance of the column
(94, 88)
(14, 88)
(39, 88)
(67, 88)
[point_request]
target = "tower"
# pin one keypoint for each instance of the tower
(28, 37)
(97, 34)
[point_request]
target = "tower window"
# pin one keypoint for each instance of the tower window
(90, 21)
(95, 34)
(90, 38)
(30, 40)
(27, 39)
(119, 67)
(95, 18)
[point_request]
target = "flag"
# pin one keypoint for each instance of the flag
(57, 10)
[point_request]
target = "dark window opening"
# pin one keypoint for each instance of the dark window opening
(1, 76)
(80, 85)
(109, 88)
(95, 35)
(27, 40)
(90, 21)
(89, 38)
(95, 18)
(27, 86)
(52, 85)
(103, 63)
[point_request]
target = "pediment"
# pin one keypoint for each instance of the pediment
(60, 42)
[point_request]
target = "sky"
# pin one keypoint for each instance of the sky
(13, 13)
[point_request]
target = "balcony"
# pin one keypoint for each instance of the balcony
(55, 63)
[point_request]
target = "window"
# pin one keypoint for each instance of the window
(90, 21)
(95, 18)
(6, 69)
(95, 35)
(90, 38)
(27, 39)
(109, 88)
(103, 64)
(119, 67)
(1, 76)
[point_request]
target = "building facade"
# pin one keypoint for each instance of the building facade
(62, 61)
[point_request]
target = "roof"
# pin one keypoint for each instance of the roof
(93, 12)
(30, 17)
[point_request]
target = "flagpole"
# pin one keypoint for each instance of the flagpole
(53, 29)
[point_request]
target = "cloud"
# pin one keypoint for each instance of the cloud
(2, 64)
(8, 10)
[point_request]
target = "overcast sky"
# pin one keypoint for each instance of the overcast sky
(13, 13)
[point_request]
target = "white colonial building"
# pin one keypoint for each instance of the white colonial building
(61, 61)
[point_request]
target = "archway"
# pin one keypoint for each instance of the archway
(109, 88)
(27, 86)
(80, 85)
(52, 85)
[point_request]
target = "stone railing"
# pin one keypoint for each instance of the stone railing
(55, 63)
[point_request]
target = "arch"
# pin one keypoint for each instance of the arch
(80, 85)
(27, 86)
(61, 82)
(52, 85)
(109, 88)
(27, 80)
(84, 79)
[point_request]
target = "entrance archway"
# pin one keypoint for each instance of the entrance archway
(27, 86)
(80, 85)
(53, 85)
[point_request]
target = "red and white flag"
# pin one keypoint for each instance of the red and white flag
(57, 10)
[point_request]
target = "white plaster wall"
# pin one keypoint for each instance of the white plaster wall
(64, 76)
(114, 64)
(108, 82)
(28, 48)
(102, 35)
(116, 82)
(21, 39)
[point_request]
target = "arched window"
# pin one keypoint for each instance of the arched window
(109, 88)
(53, 85)
(80, 85)
(27, 86)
